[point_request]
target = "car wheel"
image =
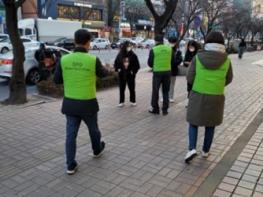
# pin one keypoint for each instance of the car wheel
(4, 50)
(95, 47)
(33, 77)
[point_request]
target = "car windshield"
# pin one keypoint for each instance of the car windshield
(59, 39)
(5, 40)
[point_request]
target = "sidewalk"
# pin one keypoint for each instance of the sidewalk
(144, 154)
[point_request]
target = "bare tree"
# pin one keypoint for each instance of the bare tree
(162, 20)
(213, 13)
(186, 12)
(135, 10)
(17, 84)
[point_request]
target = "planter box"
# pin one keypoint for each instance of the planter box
(49, 88)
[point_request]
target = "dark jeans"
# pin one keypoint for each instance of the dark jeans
(127, 78)
(209, 135)
(73, 124)
(241, 52)
(159, 80)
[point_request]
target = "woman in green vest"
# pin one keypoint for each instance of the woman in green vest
(209, 73)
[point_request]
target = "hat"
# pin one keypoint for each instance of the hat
(172, 39)
(159, 38)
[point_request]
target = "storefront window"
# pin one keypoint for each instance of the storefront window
(69, 12)
(92, 14)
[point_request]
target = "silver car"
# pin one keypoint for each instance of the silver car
(31, 65)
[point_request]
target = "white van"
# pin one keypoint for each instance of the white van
(48, 30)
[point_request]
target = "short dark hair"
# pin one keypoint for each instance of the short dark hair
(215, 37)
(159, 38)
(82, 36)
(172, 39)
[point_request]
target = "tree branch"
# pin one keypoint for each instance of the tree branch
(149, 4)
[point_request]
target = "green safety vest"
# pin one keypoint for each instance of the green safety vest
(162, 58)
(210, 82)
(79, 76)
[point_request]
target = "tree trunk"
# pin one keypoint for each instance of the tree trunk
(17, 84)
(161, 21)
(158, 29)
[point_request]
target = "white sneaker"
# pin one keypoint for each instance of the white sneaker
(204, 154)
(73, 171)
(120, 105)
(133, 104)
(190, 155)
(171, 100)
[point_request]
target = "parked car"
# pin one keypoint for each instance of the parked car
(147, 43)
(29, 43)
(5, 45)
(122, 40)
(100, 43)
(3, 36)
(137, 40)
(31, 67)
(66, 43)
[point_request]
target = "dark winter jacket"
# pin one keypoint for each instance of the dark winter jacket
(189, 56)
(243, 44)
(134, 64)
(177, 61)
(203, 109)
(79, 107)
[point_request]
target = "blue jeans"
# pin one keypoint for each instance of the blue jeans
(193, 134)
(73, 124)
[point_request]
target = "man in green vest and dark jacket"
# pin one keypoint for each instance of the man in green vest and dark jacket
(160, 59)
(78, 71)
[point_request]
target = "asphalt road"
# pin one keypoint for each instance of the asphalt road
(108, 56)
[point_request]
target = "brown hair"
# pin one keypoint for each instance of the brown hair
(215, 37)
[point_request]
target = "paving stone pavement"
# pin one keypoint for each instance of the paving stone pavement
(245, 178)
(144, 154)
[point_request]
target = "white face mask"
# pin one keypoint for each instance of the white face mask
(129, 49)
(191, 49)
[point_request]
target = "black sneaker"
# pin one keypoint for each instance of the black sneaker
(152, 111)
(100, 153)
(71, 171)
(165, 112)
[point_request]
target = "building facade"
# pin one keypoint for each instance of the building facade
(257, 8)
(91, 13)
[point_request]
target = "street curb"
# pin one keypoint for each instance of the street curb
(211, 182)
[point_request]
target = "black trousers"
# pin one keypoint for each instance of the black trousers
(129, 79)
(158, 80)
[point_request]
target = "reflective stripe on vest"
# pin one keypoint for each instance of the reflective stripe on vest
(79, 76)
(162, 58)
(210, 82)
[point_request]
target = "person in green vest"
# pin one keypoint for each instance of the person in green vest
(78, 72)
(209, 73)
(160, 60)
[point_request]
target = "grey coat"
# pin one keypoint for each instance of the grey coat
(203, 109)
